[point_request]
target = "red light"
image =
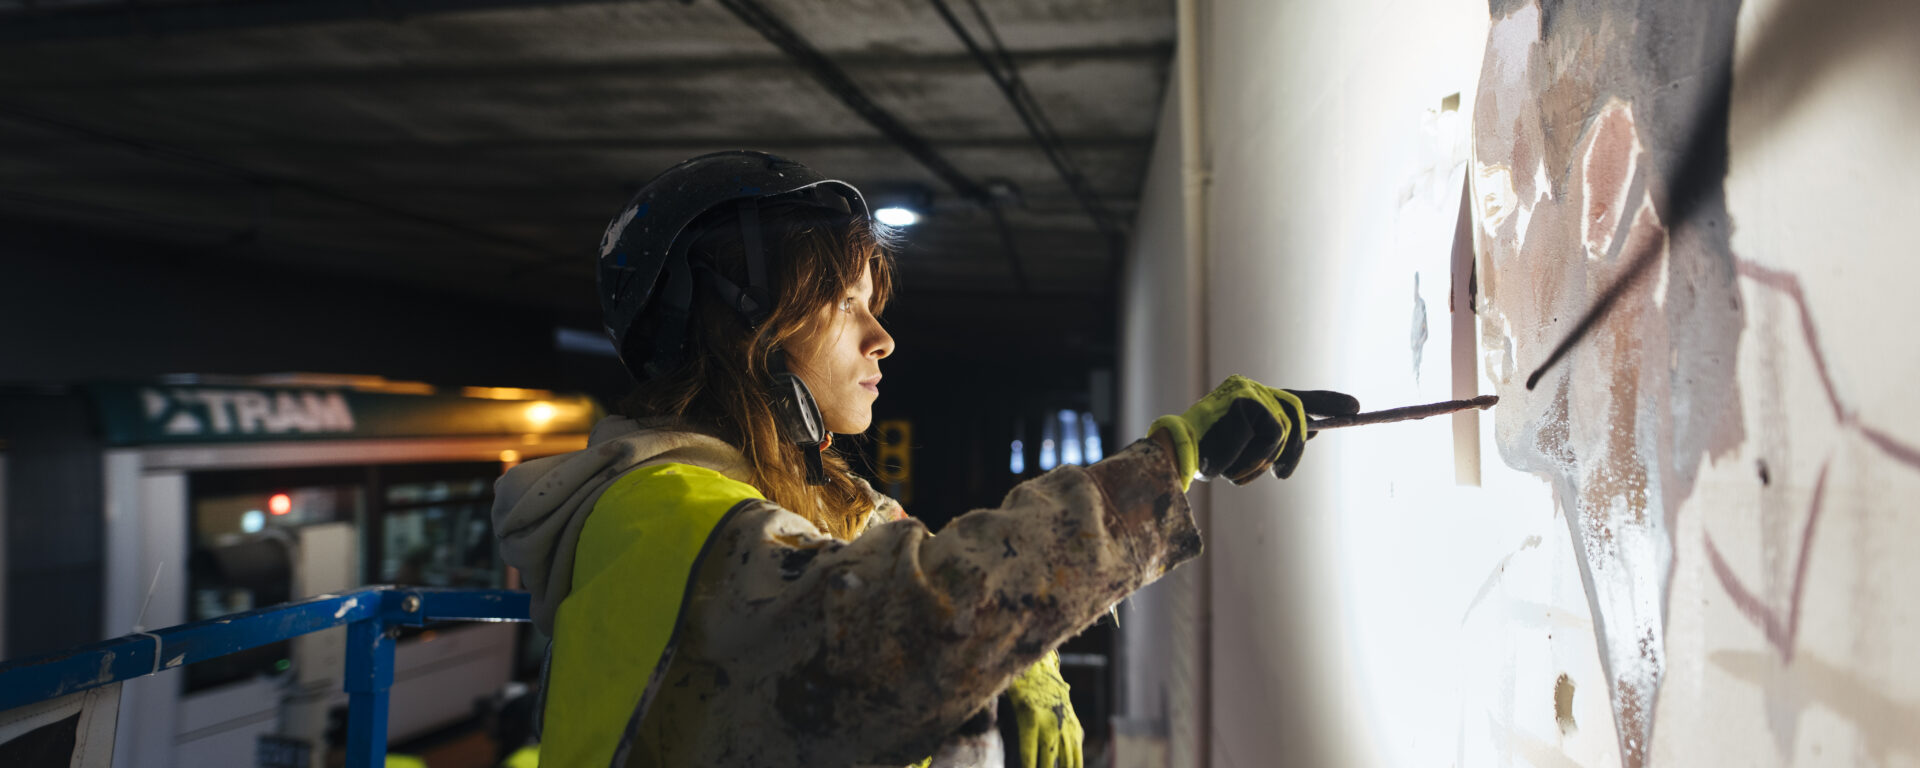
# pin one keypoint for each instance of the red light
(280, 504)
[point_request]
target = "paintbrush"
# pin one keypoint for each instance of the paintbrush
(1408, 413)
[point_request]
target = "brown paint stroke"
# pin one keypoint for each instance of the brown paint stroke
(1783, 633)
(1780, 633)
(1885, 724)
(1789, 284)
(1896, 450)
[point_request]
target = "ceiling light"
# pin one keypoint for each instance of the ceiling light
(900, 204)
(895, 216)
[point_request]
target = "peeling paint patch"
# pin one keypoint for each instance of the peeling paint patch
(1494, 183)
(176, 661)
(611, 237)
(1418, 337)
(1498, 341)
(1608, 164)
(347, 607)
(105, 674)
(1563, 704)
(1493, 578)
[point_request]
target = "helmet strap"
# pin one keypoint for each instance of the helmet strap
(758, 289)
(676, 307)
(751, 302)
(794, 408)
(793, 404)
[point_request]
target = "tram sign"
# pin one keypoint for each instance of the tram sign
(145, 414)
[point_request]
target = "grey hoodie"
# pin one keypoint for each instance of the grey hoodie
(540, 506)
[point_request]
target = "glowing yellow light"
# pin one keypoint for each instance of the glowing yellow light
(509, 457)
(506, 393)
(540, 414)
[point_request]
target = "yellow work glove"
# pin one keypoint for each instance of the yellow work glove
(1050, 734)
(1242, 427)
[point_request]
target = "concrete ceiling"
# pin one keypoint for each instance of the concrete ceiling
(481, 146)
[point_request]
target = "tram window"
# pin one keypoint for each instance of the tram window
(220, 521)
(436, 527)
(242, 527)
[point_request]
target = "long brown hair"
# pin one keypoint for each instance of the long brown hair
(814, 258)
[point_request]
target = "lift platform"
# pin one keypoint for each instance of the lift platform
(40, 695)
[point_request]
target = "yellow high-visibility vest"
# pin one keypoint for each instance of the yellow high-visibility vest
(636, 555)
(524, 757)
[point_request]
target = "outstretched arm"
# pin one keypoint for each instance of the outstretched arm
(875, 650)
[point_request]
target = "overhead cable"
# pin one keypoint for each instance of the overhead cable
(836, 81)
(1005, 74)
(263, 180)
(842, 87)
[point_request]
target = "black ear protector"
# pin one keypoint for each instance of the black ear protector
(799, 417)
(793, 404)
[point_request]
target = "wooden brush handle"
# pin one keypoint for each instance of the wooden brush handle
(1408, 413)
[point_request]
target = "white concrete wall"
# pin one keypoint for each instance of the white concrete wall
(1371, 611)
(1823, 162)
(1158, 372)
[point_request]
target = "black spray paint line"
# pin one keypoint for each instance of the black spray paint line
(1695, 175)
(1702, 164)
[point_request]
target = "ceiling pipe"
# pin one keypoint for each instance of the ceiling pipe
(842, 87)
(1195, 173)
(1006, 76)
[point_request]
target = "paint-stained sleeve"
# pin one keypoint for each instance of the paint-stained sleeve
(874, 650)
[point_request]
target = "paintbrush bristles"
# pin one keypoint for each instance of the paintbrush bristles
(1408, 413)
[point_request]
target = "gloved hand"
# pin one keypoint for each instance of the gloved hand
(1049, 731)
(1243, 426)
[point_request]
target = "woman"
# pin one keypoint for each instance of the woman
(723, 592)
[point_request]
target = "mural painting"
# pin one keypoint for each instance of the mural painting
(1601, 146)
(1582, 133)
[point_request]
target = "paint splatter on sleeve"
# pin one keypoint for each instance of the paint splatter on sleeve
(799, 649)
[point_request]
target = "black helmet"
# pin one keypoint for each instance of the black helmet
(644, 269)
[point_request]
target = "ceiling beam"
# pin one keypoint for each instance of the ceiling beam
(835, 80)
(551, 71)
(266, 181)
(1005, 74)
(412, 147)
(38, 25)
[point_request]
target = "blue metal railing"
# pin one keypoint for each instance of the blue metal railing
(372, 617)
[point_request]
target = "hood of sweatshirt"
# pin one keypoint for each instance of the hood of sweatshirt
(540, 506)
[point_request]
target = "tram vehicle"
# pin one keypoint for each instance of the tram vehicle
(218, 495)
